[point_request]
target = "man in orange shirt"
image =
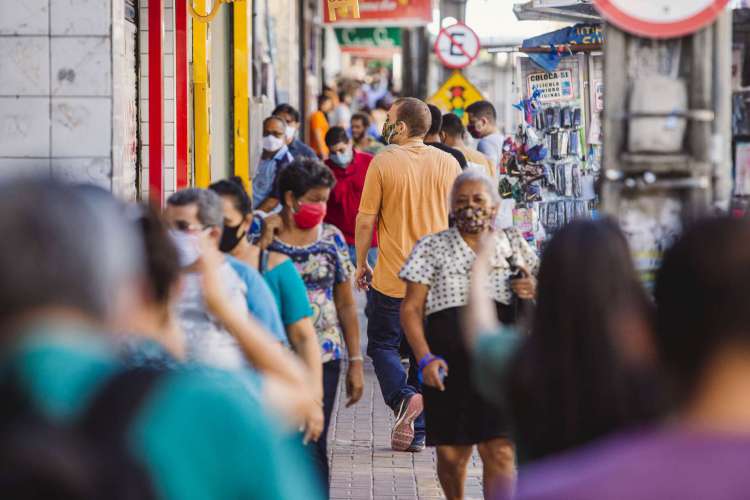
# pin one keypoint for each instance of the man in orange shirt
(319, 126)
(406, 194)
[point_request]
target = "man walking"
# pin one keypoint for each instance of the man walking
(483, 126)
(406, 193)
(452, 134)
(433, 137)
(275, 156)
(297, 148)
(360, 125)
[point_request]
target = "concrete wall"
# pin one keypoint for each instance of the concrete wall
(56, 92)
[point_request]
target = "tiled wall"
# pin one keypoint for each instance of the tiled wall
(56, 88)
(169, 97)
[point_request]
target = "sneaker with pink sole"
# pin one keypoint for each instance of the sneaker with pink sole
(402, 435)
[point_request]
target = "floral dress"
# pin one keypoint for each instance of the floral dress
(322, 265)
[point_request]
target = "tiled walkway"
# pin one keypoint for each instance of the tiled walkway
(363, 464)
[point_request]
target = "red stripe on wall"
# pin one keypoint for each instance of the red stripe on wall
(156, 102)
(181, 80)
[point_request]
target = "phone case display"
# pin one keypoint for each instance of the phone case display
(548, 167)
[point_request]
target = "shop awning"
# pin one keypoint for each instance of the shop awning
(556, 10)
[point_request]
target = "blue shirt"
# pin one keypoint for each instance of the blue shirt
(260, 301)
(264, 182)
(299, 149)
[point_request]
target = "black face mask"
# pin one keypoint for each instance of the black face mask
(229, 238)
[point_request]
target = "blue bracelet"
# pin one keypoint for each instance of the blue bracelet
(426, 360)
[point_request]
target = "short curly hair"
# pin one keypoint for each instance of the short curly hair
(301, 176)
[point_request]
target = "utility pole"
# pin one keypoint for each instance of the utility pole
(654, 192)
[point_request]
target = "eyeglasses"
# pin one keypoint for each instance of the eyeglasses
(186, 227)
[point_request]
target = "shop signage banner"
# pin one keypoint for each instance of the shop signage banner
(369, 41)
(555, 86)
(455, 95)
(580, 34)
(379, 12)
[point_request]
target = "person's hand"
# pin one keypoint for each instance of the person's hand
(363, 277)
(209, 264)
(271, 226)
(480, 315)
(355, 382)
(432, 376)
(314, 422)
(524, 287)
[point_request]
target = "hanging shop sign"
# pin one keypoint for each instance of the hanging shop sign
(378, 12)
(660, 18)
(457, 46)
(555, 86)
(373, 42)
(455, 95)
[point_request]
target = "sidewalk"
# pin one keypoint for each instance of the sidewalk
(363, 465)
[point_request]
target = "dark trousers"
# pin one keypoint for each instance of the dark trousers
(384, 342)
(331, 373)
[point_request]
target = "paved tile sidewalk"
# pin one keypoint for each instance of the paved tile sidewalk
(363, 465)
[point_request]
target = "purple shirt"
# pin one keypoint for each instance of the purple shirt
(673, 464)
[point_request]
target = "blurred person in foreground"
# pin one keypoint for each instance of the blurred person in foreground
(406, 196)
(363, 140)
(319, 253)
(437, 274)
(275, 157)
(349, 166)
(55, 312)
(291, 117)
(285, 284)
(195, 217)
(587, 368)
(452, 133)
(483, 127)
(703, 340)
(432, 138)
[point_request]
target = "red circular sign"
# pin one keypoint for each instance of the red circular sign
(630, 17)
(457, 46)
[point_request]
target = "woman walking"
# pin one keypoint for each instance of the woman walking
(282, 279)
(319, 253)
(438, 279)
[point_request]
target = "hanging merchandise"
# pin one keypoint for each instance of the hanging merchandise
(549, 168)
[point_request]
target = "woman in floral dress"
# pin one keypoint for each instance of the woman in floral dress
(320, 254)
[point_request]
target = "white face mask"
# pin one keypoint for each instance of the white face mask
(290, 132)
(271, 143)
(188, 248)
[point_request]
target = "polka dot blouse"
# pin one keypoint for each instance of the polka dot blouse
(443, 262)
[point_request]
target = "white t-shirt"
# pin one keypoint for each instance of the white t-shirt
(491, 146)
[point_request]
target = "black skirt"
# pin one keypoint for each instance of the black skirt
(459, 416)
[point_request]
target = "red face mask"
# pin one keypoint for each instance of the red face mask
(309, 215)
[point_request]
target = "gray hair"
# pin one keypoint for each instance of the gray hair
(472, 175)
(210, 211)
(64, 246)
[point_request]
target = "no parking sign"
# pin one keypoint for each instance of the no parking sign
(457, 46)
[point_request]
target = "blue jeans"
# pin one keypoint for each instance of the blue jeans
(372, 256)
(384, 338)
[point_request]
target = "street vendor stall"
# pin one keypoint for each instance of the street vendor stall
(552, 162)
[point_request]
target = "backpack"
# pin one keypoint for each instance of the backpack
(87, 459)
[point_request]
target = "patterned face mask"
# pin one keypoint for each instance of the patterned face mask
(472, 220)
(389, 132)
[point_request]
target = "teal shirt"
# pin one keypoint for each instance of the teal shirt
(260, 300)
(289, 291)
(201, 433)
